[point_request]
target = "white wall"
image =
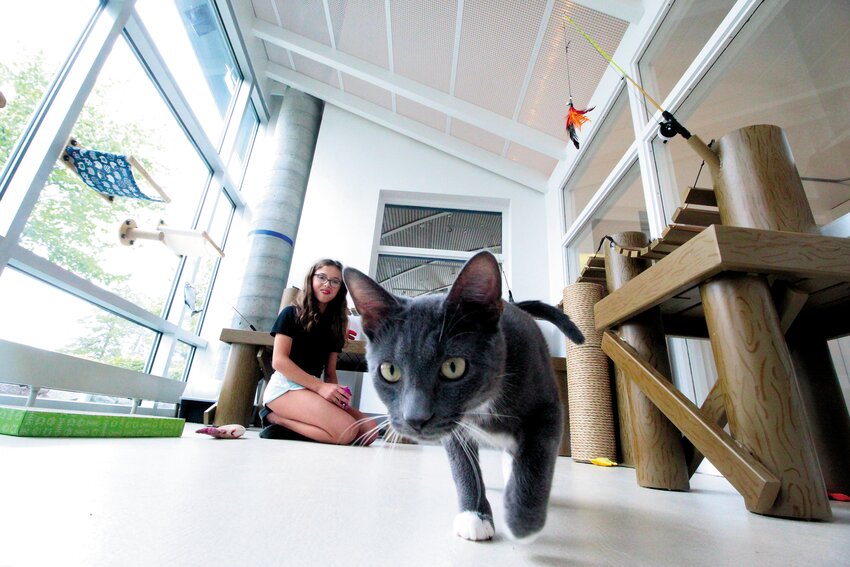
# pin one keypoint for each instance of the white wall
(358, 164)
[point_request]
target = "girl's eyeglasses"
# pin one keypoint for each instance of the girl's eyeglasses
(323, 279)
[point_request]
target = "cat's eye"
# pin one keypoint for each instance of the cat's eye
(453, 368)
(390, 372)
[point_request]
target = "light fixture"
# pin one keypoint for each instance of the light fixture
(181, 241)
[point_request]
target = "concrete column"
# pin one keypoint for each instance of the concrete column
(278, 211)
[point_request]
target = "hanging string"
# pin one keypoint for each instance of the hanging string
(567, 53)
(699, 172)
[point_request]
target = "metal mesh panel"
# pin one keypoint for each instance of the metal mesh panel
(442, 229)
(412, 277)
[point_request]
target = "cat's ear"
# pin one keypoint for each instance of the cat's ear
(479, 284)
(373, 303)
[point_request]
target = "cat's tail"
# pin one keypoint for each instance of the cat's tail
(554, 316)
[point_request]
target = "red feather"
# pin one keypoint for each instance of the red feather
(575, 118)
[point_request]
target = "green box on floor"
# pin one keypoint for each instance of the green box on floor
(41, 422)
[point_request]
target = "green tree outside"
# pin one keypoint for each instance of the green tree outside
(70, 220)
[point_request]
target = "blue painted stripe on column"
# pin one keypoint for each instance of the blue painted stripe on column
(273, 233)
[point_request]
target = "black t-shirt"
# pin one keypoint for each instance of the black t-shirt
(310, 350)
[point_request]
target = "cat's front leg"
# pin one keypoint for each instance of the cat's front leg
(527, 490)
(475, 520)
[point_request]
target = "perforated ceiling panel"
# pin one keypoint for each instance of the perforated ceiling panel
(477, 136)
(531, 159)
(367, 91)
(360, 29)
(421, 113)
(545, 105)
(315, 70)
(496, 43)
(277, 54)
(498, 69)
(265, 10)
(423, 41)
(304, 17)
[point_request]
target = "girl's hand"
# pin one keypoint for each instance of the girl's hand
(335, 394)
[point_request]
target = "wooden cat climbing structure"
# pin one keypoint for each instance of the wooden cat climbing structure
(744, 265)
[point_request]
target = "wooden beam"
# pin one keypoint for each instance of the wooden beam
(714, 409)
(721, 248)
(789, 302)
(751, 479)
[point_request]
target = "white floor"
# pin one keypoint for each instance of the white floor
(200, 501)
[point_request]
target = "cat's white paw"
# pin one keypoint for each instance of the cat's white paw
(470, 525)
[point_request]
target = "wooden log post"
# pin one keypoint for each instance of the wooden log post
(757, 186)
(236, 398)
(823, 402)
(657, 449)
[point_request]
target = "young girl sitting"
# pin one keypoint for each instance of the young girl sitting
(307, 338)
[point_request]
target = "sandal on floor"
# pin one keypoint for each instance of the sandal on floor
(275, 431)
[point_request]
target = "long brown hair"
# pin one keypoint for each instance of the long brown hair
(337, 310)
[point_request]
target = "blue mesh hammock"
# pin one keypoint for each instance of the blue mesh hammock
(110, 174)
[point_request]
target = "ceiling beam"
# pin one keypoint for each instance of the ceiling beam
(438, 100)
(416, 130)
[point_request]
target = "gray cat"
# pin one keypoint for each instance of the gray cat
(469, 366)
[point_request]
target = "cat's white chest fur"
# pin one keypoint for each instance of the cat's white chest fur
(478, 418)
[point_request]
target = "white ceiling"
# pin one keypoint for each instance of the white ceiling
(483, 80)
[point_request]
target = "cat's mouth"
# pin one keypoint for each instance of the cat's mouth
(429, 432)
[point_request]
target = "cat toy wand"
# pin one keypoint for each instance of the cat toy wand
(575, 117)
(670, 126)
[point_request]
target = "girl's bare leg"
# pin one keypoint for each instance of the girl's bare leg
(311, 415)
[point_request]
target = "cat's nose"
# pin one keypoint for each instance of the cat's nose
(419, 420)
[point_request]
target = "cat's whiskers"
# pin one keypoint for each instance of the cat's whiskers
(357, 423)
(471, 454)
(482, 434)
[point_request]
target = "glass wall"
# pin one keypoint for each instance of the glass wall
(793, 74)
(606, 149)
(161, 86)
(726, 64)
(623, 211)
(189, 36)
(34, 51)
(73, 226)
(679, 39)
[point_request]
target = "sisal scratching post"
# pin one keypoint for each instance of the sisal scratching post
(588, 382)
